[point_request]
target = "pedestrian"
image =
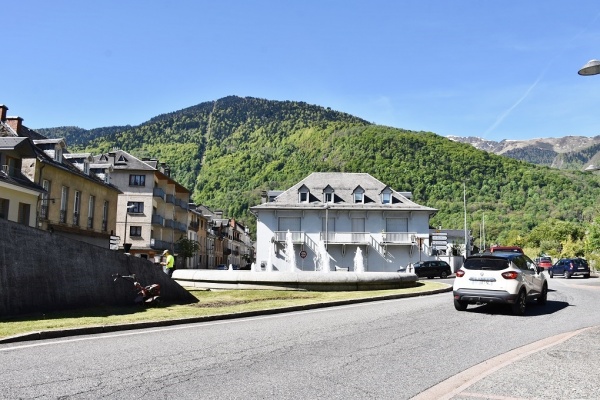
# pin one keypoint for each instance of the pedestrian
(169, 263)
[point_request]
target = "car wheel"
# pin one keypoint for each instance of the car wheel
(460, 305)
(520, 304)
(551, 273)
(543, 296)
(586, 276)
(443, 275)
(567, 275)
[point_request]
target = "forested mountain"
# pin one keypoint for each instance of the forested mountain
(230, 149)
(78, 137)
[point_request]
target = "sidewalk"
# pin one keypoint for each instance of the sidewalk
(557, 368)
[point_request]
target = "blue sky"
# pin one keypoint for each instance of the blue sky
(494, 69)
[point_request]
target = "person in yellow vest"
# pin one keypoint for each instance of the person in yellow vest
(169, 262)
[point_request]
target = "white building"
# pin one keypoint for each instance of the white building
(344, 211)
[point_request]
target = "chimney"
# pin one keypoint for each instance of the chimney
(15, 123)
(263, 196)
(3, 110)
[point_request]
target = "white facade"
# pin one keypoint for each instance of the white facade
(344, 212)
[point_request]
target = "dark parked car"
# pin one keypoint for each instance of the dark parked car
(570, 267)
(431, 269)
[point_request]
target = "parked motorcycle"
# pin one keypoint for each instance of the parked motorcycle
(147, 295)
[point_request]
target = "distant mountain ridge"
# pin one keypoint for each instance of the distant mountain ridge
(568, 152)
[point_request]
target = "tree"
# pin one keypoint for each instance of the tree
(186, 248)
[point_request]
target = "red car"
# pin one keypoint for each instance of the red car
(545, 262)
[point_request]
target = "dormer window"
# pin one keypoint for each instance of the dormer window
(328, 194)
(359, 195)
(86, 167)
(386, 196)
(58, 153)
(303, 194)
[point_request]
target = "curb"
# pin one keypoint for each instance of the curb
(54, 334)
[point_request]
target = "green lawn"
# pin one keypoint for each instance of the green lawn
(214, 302)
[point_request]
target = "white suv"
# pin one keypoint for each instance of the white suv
(508, 278)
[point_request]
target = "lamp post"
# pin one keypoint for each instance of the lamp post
(465, 208)
(126, 246)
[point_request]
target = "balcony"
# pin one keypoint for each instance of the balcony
(157, 220)
(158, 192)
(170, 199)
(62, 218)
(169, 223)
(398, 238)
(159, 244)
(346, 237)
(297, 237)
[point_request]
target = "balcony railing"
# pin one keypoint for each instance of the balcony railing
(297, 237)
(399, 238)
(44, 212)
(104, 226)
(159, 244)
(346, 237)
(62, 218)
(158, 192)
(170, 199)
(90, 223)
(75, 219)
(157, 220)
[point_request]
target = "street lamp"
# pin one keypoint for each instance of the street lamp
(465, 207)
(591, 68)
(127, 246)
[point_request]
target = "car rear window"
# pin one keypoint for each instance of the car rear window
(545, 259)
(493, 264)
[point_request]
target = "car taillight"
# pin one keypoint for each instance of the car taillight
(510, 275)
(460, 273)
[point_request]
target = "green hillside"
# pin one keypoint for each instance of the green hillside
(228, 150)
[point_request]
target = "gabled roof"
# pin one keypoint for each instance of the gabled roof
(122, 160)
(344, 184)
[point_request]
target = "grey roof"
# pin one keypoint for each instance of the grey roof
(122, 160)
(344, 185)
(22, 145)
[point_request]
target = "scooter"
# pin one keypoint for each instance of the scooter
(147, 295)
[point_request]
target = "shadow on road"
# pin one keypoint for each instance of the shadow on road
(532, 310)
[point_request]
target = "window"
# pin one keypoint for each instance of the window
(386, 198)
(105, 216)
(76, 207)
(64, 198)
(91, 206)
(24, 213)
(135, 231)
(303, 197)
(58, 153)
(358, 197)
(45, 199)
(328, 197)
(138, 207)
(137, 180)
(4, 208)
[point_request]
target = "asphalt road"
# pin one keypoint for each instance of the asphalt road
(391, 349)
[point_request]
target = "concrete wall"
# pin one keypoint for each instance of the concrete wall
(42, 271)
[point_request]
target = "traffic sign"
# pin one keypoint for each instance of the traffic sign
(115, 239)
(439, 243)
(303, 253)
(439, 236)
(114, 247)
